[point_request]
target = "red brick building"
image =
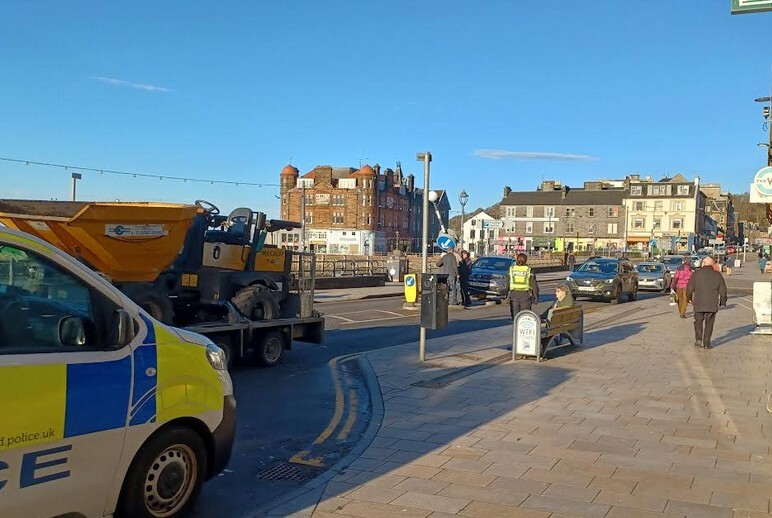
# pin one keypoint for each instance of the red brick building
(352, 211)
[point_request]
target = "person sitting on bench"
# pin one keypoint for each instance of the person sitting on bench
(564, 300)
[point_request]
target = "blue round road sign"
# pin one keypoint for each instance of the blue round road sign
(409, 281)
(445, 242)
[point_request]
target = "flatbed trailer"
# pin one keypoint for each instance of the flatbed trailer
(263, 341)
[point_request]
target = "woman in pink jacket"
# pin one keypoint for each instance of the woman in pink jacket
(678, 283)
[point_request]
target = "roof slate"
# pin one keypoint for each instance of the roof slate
(577, 196)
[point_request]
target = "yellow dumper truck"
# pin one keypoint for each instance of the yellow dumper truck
(189, 266)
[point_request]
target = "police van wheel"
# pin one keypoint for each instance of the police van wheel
(166, 476)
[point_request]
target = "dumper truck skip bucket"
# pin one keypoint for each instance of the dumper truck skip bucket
(129, 242)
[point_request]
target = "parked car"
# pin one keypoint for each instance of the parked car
(490, 276)
(604, 278)
(653, 276)
(672, 262)
(697, 259)
(731, 249)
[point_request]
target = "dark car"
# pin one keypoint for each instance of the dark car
(490, 276)
(604, 278)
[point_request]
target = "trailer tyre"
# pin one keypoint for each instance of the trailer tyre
(256, 303)
(270, 348)
(227, 346)
(151, 298)
(165, 477)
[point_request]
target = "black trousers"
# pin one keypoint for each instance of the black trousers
(703, 326)
(465, 298)
(519, 301)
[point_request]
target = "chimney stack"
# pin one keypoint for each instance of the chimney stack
(507, 190)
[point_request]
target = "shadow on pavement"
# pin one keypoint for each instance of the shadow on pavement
(732, 335)
(432, 416)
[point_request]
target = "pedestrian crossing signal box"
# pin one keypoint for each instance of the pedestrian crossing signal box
(434, 300)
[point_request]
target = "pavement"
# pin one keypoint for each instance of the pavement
(636, 422)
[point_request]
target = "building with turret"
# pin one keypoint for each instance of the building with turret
(351, 211)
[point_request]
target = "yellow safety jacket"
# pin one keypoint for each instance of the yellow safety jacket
(519, 278)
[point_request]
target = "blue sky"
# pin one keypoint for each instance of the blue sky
(500, 92)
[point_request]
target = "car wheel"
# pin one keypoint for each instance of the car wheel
(617, 298)
(165, 477)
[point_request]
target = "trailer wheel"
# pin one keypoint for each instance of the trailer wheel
(256, 303)
(270, 348)
(151, 298)
(226, 344)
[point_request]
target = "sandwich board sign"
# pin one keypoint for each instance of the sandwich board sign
(751, 6)
(526, 335)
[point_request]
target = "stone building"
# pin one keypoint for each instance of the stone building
(560, 218)
(719, 207)
(351, 211)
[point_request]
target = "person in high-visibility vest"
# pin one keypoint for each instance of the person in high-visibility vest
(523, 289)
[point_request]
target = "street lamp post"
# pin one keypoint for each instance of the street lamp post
(768, 99)
(426, 158)
(463, 197)
(75, 178)
(398, 249)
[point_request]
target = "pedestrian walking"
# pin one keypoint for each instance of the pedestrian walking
(523, 289)
(571, 261)
(729, 264)
(762, 262)
(716, 264)
(707, 292)
(449, 266)
(678, 285)
(464, 272)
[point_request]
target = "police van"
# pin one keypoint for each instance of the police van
(103, 410)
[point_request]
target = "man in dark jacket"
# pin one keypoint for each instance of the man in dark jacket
(706, 291)
(449, 266)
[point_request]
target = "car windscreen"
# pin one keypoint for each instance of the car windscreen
(598, 267)
(492, 263)
(673, 261)
(650, 268)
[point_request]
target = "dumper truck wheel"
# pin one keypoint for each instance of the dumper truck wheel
(152, 299)
(256, 303)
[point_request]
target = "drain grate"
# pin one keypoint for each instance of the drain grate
(285, 471)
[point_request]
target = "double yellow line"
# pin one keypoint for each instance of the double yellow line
(304, 457)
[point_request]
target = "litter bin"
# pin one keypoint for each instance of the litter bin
(434, 300)
(396, 267)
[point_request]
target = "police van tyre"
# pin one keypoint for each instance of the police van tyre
(256, 303)
(270, 348)
(152, 298)
(166, 476)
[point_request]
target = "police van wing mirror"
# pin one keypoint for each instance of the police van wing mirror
(125, 331)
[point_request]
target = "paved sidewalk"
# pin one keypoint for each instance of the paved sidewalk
(635, 423)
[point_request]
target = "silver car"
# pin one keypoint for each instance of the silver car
(653, 277)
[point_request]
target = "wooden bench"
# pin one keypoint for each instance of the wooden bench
(567, 322)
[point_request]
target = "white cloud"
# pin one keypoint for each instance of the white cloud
(532, 156)
(138, 86)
